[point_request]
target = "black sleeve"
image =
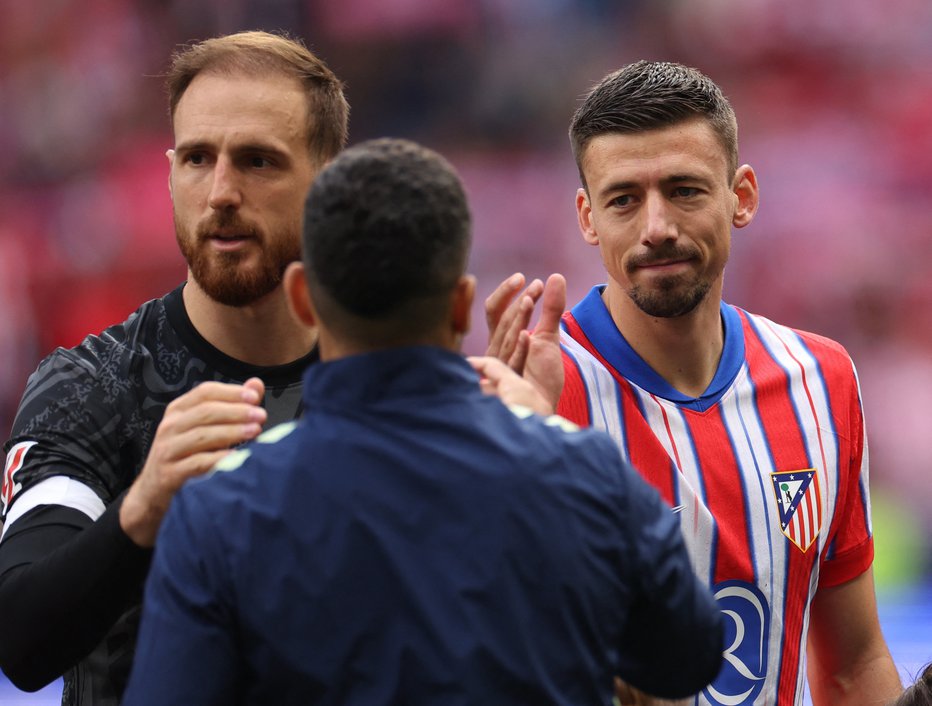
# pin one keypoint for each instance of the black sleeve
(64, 581)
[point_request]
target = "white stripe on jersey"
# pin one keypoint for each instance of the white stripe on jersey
(602, 391)
(746, 432)
(57, 490)
(696, 520)
(789, 352)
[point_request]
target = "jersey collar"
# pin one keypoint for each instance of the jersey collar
(596, 322)
(272, 375)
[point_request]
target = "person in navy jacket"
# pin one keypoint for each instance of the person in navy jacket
(412, 539)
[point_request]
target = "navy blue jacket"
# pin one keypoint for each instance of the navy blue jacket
(413, 541)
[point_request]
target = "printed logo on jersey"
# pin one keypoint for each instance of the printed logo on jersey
(231, 461)
(14, 461)
(799, 501)
(553, 420)
(747, 643)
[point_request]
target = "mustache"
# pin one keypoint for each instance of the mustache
(664, 253)
(227, 223)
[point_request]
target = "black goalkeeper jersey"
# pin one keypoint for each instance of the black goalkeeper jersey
(91, 412)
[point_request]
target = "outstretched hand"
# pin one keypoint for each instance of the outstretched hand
(197, 430)
(497, 379)
(533, 354)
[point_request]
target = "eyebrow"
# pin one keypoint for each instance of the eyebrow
(667, 180)
(245, 148)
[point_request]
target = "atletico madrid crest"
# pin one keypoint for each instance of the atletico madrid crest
(799, 501)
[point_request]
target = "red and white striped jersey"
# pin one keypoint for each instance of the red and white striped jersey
(768, 470)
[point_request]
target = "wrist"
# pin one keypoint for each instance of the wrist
(138, 520)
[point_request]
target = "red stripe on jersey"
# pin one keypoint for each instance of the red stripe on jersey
(671, 439)
(811, 515)
(14, 463)
(796, 600)
(849, 524)
(784, 438)
(666, 426)
(647, 456)
(573, 403)
(818, 503)
(720, 479)
(787, 447)
(812, 407)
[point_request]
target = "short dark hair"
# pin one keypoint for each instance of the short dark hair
(650, 95)
(387, 232)
(260, 53)
(919, 693)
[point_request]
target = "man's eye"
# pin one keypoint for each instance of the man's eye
(685, 191)
(259, 162)
(195, 158)
(621, 201)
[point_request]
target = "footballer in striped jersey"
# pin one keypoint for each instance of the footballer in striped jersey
(752, 432)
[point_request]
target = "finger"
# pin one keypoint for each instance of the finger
(491, 368)
(257, 385)
(553, 304)
(208, 438)
(210, 413)
(516, 320)
(502, 324)
(191, 467)
(508, 317)
(497, 302)
(518, 359)
(219, 392)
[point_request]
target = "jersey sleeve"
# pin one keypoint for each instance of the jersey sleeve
(186, 652)
(850, 549)
(77, 419)
(673, 641)
(64, 581)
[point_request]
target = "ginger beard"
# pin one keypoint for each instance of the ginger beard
(229, 277)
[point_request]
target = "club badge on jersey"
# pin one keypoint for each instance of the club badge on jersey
(14, 461)
(799, 501)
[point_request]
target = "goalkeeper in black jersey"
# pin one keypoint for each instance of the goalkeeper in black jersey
(107, 432)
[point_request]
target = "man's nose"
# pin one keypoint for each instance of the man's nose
(225, 188)
(659, 225)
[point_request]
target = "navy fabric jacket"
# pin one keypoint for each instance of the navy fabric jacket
(413, 541)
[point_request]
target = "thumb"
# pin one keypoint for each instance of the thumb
(553, 304)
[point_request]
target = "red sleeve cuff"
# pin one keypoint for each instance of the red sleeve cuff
(846, 566)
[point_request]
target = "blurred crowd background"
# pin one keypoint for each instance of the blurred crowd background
(834, 104)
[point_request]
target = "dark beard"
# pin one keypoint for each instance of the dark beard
(668, 303)
(674, 296)
(222, 275)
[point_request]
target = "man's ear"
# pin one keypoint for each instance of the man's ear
(463, 295)
(170, 153)
(745, 188)
(584, 216)
(298, 295)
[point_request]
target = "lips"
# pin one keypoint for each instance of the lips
(661, 263)
(661, 259)
(227, 241)
(227, 235)
(227, 228)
